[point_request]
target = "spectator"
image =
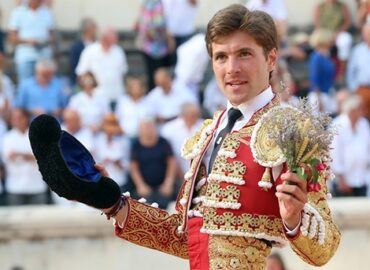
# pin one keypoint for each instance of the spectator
(31, 31)
(72, 124)
(166, 100)
(90, 105)
(334, 15)
(321, 70)
(88, 36)
(277, 10)
(153, 166)
(43, 93)
(112, 150)
(6, 90)
(186, 72)
(132, 108)
(24, 183)
(358, 75)
(351, 149)
(340, 96)
(180, 15)
(153, 38)
(185, 127)
(107, 61)
(275, 262)
(214, 100)
(363, 13)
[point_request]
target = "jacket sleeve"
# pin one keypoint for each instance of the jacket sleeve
(318, 237)
(154, 228)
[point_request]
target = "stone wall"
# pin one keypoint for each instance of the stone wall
(54, 238)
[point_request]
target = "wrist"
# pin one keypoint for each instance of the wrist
(292, 222)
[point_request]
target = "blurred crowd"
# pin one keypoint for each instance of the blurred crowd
(135, 124)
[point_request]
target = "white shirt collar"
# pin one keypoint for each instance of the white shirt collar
(251, 106)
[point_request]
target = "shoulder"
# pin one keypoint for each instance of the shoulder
(194, 144)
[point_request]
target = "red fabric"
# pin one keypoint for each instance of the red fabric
(197, 245)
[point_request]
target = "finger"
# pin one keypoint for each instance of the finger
(293, 190)
(101, 169)
(290, 201)
(294, 178)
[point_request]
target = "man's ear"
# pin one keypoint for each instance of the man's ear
(272, 59)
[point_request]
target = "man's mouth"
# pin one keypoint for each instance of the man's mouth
(235, 83)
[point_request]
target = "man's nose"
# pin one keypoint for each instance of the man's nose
(233, 65)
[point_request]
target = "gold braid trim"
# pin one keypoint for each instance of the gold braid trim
(154, 228)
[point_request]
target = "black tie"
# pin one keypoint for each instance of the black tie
(233, 115)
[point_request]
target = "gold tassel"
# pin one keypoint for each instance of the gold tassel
(265, 182)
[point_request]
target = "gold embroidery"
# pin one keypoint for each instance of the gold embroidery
(309, 249)
(237, 253)
(215, 193)
(245, 223)
(154, 228)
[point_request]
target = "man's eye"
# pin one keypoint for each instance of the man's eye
(220, 57)
(243, 54)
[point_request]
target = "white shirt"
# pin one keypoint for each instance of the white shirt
(351, 150)
(168, 105)
(358, 72)
(275, 8)
(180, 15)
(247, 109)
(129, 114)
(214, 100)
(176, 132)
(108, 67)
(6, 90)
(22, 177)
(91, 109)
(31, 24)
(192, 60)
(107, 153)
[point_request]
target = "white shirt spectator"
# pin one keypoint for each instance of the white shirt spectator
(180, 15)
(351, 150)
(129, 114)
(176, 132)
(214, 99)
(192, 60)
(90, 108)
(168, 105)
(109, 153)
(31, 24)
(23, 176)
(275, 8)
(108, 67)
(358, 72)
(6, 91)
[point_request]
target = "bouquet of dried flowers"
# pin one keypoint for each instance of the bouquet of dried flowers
(299, 136)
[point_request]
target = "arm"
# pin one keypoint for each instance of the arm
(152, 228)
(142, 188)
(316, 17)
(347, 19)
(167, 187)
(318, 237)
(149, 227)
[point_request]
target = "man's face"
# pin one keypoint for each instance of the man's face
(241, 67)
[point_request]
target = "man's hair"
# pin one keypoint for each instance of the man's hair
(258, 24)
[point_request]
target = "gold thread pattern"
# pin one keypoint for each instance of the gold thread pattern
(154, 228)
(237, 253)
